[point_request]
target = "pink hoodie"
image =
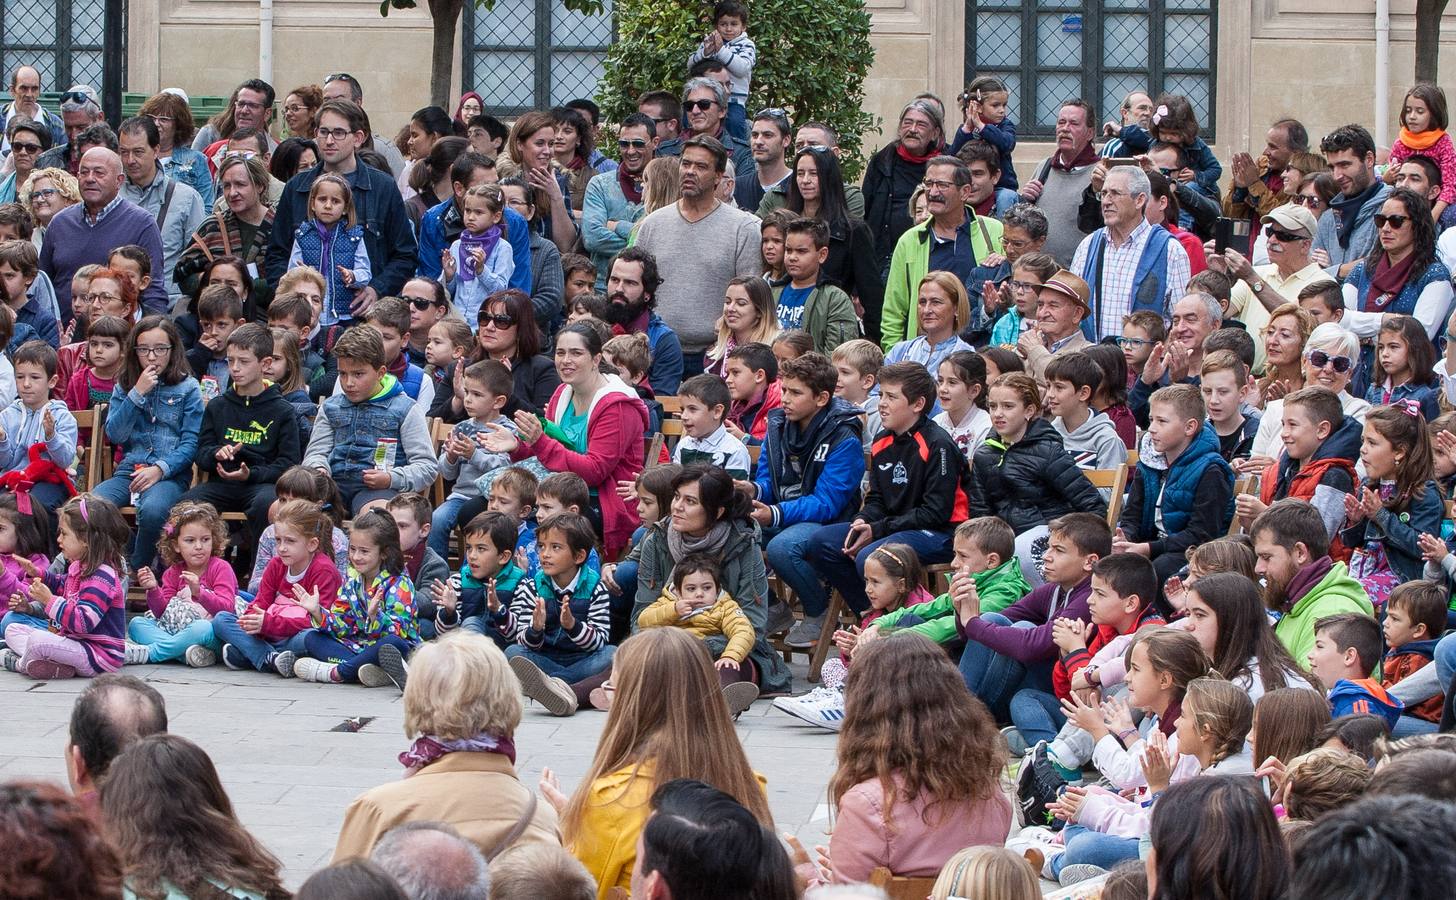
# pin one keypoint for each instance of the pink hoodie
(219, 588)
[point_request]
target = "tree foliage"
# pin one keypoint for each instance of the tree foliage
(813, 58)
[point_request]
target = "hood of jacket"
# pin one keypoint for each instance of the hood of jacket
(613, 391)
(1343, 443)
(389, 386)
(268, 394)
(1335, 587)
(1098, 427)
(1424, 649)
(839, 413)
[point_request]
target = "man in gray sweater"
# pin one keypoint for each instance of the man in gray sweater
(1061, 179)
(700, 244)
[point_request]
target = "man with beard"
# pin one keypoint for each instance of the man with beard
(631, 295)
(1300, 585)
(1061, 179)
(612, 203)
(1348, 232)
(442, 224)
(896, 171)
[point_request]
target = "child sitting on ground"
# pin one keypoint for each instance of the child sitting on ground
(84, 632)
(488, 580)
(697, 603)
(752, 374)
(1415, 619)
(705, 401)
(368, 631)
(197, 585)
(858, 363)
(425, 567)
(35, 429)
(487, 389)
(24, 542)
(298, 483)
(1346, 650)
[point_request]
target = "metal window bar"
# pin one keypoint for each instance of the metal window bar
(76, 46)
(1027, 73)
(545, 55)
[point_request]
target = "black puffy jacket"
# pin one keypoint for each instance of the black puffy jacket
(1030, 482)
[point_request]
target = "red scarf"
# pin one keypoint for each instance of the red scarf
(986, 207)
(1087, 157)
(912, 158)
(1388, 281)
(631, 187)
(399, 366)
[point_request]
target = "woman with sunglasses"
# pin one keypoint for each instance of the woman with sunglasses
(1330, 358)
(507, 332)
(1400, 276)
(28, 140)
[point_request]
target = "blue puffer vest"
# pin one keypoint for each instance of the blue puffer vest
(555, 637)
(340, 249)
(359, 426)
(1182, 483)
(1149, 281)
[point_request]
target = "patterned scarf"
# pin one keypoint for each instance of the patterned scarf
(428, 748)
(631, 186)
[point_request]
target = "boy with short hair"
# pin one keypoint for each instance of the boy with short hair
(390, 316)
(513, 492)
(1415, 618)
(249, 433)
(1346, 650)
(918, 489)
(19, 268)
(1141, 331)
(1323, 299)
(463, 460)
(1090, 436)
(1223, 377)
(294, 313)
(558, 493)
(560, 619)
(858, 363)
(1182, 495)
(487, 580)
(805, 301)
(361, 432)
(426, 568)
(985, 551)
(730, 44)
(705, 401)
(33, 417)
(752, 375)
(219, 313)
(1000, 656)
(1321, 445)
(633, 360)
(580, 276)
(92, 384)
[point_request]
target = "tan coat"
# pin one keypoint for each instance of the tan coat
(478, 793)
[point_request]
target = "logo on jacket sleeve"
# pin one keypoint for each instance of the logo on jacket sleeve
(821, 453)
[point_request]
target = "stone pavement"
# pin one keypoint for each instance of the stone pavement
(291, 773)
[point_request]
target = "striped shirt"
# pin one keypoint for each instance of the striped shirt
(90, 609)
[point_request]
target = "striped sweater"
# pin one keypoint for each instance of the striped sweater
(590, 609)
(90, 609)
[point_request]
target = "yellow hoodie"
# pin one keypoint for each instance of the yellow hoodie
(725, 617)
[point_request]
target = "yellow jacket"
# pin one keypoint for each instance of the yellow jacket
(724, 618)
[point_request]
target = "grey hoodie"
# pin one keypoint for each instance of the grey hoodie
(1095, 445)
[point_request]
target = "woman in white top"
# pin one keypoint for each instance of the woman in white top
(1330, 357)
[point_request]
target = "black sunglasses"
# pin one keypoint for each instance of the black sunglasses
(633, 143)
(1396, 222)
(499, 320)
(704, 105)
(1319, 359)
(77, 97)
(421, 303)
(1286, 237)
(773, 112)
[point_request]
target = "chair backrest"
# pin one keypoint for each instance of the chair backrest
(901, 887)
(1249, 484)
(654, 451)
(89, 469)
(671, 406)
(1114, 480)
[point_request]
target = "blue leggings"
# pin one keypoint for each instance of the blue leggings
(321, 646)
(165, 645)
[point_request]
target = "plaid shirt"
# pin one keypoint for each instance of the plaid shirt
(1114, 294)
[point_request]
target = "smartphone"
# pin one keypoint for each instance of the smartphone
(1113, 161)
(1223, 234)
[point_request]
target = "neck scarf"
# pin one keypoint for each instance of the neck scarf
(486, 241)
(1421, 140)
(1388, 281)
(1086, 157)
(680, 545)
(1348, 211)
(912, 158)
(1305, 579)
(577, 162)
(399, 366)
(631, 185)
(987, 206)
(427, 749)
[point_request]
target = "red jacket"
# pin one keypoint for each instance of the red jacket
(283, 617)
(1301, 487)
(757, 425)
(1074, 662)
(1399, 666)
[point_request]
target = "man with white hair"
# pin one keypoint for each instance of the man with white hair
(432, 861)
(705, 102)
(1179, 359)
(1128, 264)
(80, 109)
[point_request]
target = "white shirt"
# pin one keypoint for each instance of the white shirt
(1119, 266)
(1432, 307)
(969, 432)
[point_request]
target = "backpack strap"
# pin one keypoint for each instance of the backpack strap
(517, 829)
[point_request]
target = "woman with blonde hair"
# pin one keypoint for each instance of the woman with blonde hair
(987, 873)
(1283, 349)
(45, 193)
(661, 186)
(461, 709)
(667, 720)
(749, 316)
(942, 310)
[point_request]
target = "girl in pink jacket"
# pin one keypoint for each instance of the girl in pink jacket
(196, 585)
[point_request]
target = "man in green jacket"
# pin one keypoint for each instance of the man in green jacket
(1300, 585)
(953, 239)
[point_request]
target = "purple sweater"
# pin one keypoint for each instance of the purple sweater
(1041, 606)
(72, 242)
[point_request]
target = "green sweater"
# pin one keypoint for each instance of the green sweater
(1336, 593)
(998, 588)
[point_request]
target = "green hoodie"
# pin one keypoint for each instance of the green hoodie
(1336, 593)
(998, 588)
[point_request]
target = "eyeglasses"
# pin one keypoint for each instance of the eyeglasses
(1286, 237)
(1022, 286)
(333, 134)
(153, 352)
(1311, 201)
(703, 105)
(101, 297)
(1015, 244)
(632, 144)
(24, 148)
(161, 120)
(247, 104)
(499, 320)
(339, 75)
(294, 107)
(1395, 222)
(930, 185)
(421, 303)
(1111, 194)
(43, 194)
(1319, 359)
(245, 154)
(1135, 343)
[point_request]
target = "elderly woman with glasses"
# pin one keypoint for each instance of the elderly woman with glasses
(28, 140)
(1330, 357)
(45, 193)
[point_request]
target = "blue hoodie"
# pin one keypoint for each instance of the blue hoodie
(1364, 697)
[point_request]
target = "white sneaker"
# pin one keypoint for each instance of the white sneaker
(306, 668)
(823, 706)
(199, 657)
(137, 654)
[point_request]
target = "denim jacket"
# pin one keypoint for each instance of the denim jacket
(190, 168)
(158, 429)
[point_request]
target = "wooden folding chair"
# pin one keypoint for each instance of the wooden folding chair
(654, 451)
(671, 406)
(901, 887)
(1249, 484)
(1116, 481)
(88, 462)
(439, 433)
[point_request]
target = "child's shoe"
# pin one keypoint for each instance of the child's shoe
(740, 696)
(233, 658)
(823, 706)
(1038, 846)
(283, 663)
(554, 694)
(44, 669)
(600, 698)
(136, 654)
(310, 669)
(394, 665)
(9, 660)
(199, 656)
(1077, 873)
(1037, 784)
(1016, 745)
(372, 676)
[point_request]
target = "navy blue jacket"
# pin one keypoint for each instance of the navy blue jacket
(829, 457)
(1198, 498)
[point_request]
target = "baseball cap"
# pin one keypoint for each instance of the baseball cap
(1292, 218)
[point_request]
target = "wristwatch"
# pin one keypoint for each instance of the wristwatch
(1257, 287)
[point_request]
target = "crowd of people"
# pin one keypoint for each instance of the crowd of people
(1096, 479)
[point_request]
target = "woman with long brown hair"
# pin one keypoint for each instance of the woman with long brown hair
(175, 829)
(668, 720)
(919, 765)
(531, 149)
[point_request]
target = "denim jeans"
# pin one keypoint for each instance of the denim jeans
(1446, 660)
(1408, 725)
(226, 630)
(994, 677)
(454, 511)
(1036, 714)
(152, 506)
(787, 552)
(826, 553)
(580, 667)
(321, 646)
(1093, 848)
(166, 646)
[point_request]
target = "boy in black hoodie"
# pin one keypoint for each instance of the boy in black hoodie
(249, 434)
(919, 489)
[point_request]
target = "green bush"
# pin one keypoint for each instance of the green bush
(813, 57)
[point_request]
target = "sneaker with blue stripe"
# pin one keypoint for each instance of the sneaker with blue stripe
(823, 706)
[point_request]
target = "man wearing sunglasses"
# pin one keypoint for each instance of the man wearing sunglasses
(706, 103)
(1260, 290)
(25, 88)
(80, 109)
(613, 200)
(1348, 231)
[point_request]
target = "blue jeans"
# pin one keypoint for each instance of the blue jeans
(736, 120)
(165, 645)
(994, 677)
(787, 552)
(321, 646)
(826, 553)
(153, 507)
(1446, 660)
(442, 522)
(580, 668)
(1037, 715)
(1093, 848)
(19, 618)
(1406, 726)
(226, 630)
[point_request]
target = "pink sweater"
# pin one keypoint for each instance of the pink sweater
(13, 578)
(862, 841)
(219, 588)
(283, 617)
(1442, 153)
